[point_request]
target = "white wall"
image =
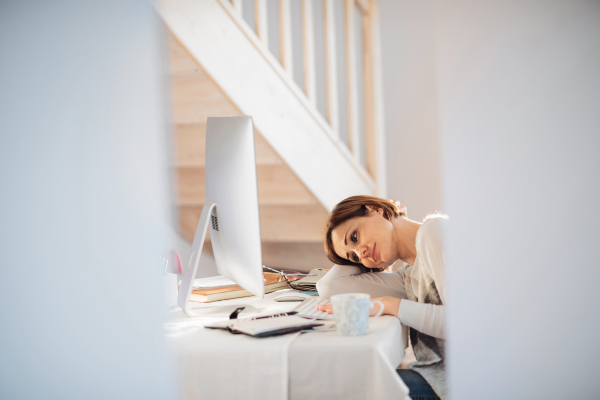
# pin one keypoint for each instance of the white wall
(493, 117)
(84, 201)
(519, 102)
(410, 99)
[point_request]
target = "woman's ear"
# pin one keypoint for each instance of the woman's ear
(401, 208)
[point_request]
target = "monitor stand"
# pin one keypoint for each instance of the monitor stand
(189, 272)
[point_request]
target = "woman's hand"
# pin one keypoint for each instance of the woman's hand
(400, 207)
(390, 306)
(328, 308)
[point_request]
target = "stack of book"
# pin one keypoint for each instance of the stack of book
(273, 282)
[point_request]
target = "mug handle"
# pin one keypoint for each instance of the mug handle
(380, 307)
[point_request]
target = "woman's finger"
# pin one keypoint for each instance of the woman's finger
(328, 308)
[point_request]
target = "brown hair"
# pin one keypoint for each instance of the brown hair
(353, 207)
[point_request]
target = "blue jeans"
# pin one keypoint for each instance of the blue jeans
(418, 386)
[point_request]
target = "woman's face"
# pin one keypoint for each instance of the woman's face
(368, 240)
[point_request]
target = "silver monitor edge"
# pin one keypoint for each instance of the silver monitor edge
(230, 168)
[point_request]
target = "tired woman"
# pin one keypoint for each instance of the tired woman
(366, 235)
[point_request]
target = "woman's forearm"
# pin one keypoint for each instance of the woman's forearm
(348, 279)
(426, 318)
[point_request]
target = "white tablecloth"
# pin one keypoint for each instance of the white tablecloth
(214, 364)
(329, 366)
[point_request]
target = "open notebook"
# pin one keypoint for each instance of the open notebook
(272, 325)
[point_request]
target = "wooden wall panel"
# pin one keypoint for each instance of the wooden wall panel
(276, 185)
(279, 223)
(290, 214)
(293, 223)
(180, 62)
(298, 256)
(195, 99)
(191, 138)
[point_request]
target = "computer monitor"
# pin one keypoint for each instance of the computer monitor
(231, 210)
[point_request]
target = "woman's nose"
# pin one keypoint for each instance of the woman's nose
(363, 251)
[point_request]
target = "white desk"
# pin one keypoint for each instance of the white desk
(214, 364)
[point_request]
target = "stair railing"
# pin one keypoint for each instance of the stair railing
(354, 106)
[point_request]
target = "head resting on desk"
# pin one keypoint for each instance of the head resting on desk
(359, 232)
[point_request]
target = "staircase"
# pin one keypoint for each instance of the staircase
(219, 66)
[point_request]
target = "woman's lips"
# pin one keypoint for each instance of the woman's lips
(374, 253)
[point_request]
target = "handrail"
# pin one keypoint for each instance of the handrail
(368, 10)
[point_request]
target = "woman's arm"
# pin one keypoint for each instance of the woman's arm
(431, 246)
(427, 318)
(350, 279)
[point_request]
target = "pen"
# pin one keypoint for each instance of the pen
(278, 315)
